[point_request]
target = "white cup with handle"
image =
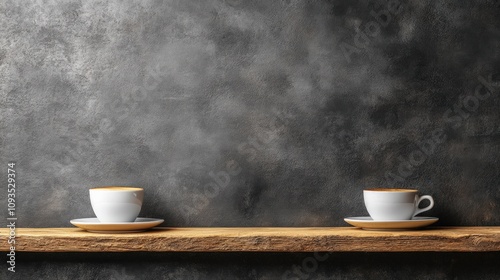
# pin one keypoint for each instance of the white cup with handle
(388, 204)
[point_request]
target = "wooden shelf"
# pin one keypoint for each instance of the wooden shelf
(335, 239)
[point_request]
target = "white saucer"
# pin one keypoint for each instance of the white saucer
(93, 225)
(369, 223)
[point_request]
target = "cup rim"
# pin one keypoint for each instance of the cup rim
(390, 190)
(117, 188)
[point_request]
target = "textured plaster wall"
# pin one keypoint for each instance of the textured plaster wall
(251, 113)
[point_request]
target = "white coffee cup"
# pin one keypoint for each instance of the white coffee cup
(394, 204)
(115, 204)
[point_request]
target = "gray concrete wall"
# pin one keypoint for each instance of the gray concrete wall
(251, 113)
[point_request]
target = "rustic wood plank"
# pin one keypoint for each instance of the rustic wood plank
(335, 239)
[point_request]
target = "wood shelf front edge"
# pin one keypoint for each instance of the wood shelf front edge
(258, 239)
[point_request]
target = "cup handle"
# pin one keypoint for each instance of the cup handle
(420, 210)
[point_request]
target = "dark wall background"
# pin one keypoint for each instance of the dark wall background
(251, 113)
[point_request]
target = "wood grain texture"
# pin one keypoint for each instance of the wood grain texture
(336, 239)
